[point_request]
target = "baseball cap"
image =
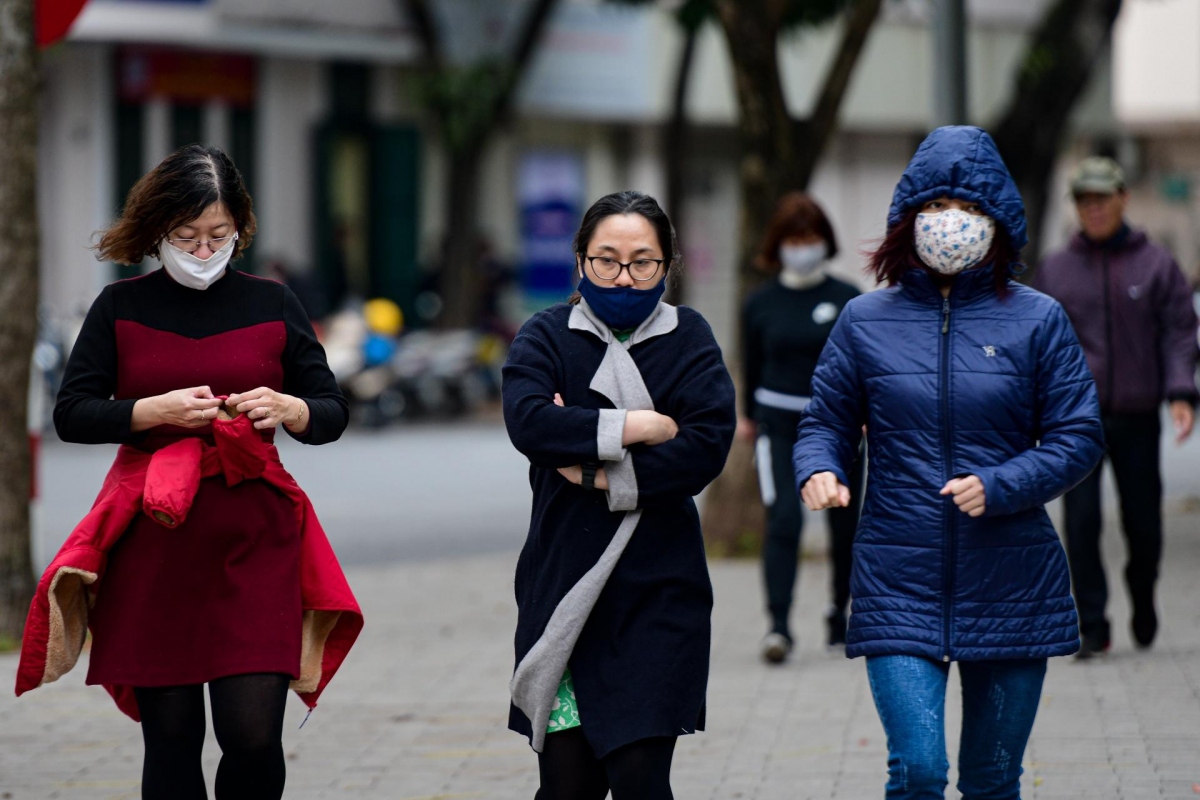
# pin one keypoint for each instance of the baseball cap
(1097, 175)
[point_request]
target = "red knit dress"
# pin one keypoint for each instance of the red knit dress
(220, 594)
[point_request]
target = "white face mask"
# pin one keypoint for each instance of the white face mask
(192, 272)
(803, 259)
(951, 241)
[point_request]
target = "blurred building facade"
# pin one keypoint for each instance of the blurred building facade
(317, 104)
(1156, 97)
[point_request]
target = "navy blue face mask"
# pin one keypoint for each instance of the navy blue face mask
(621, 307)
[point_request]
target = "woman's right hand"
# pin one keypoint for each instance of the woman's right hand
(823, 491)
(648, 427)
(185, 408)
(641, 427)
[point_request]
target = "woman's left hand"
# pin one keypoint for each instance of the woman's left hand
(575, 475)
(969, 495)
(269, 408)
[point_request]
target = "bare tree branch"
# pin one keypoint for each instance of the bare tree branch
(1058, 62)
(820, 125)
(527, 43)
(422, 19)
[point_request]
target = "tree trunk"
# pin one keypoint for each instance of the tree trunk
(767, 162)
(459, 281)
(18, 303)
(468, 119)
(1051, 78)
(778, 155)
(675, 145)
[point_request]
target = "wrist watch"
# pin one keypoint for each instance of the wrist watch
(589, 475)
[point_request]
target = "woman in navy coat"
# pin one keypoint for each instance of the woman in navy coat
(979, 409)
(625, 410)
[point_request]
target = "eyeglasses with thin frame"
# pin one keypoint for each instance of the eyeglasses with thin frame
(192, 245)
(640, 269)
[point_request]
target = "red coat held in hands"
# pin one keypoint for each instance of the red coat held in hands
(163, 485)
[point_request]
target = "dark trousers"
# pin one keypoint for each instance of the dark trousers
(1133, 451)
(785, 521)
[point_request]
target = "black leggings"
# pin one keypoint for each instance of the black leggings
(247, 713)
(638, 771)
(785, 522)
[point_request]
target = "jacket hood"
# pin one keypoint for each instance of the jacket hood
(962, 161)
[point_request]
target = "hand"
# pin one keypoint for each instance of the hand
(1184, 417)
(269, 408)
(824, 490)
(185, 408)
(969, 495)
(747, 429)
(648, 427)
(575, 475)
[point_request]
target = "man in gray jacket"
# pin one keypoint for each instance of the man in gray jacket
(1132, 309)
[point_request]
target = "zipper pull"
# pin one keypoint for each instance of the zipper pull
(946, 315)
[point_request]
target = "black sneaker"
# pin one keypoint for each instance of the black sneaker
(1091, 646)
(835, 625)
(1144, 624)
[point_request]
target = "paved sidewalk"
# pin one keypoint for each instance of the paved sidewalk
(419, 710)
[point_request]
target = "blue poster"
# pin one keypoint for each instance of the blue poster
(550, 186)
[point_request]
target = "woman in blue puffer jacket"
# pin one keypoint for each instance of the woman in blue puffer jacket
(979, 409)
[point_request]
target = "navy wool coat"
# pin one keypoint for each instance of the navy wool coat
(973, 384)
(640, 666)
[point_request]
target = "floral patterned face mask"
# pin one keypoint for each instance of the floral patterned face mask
(951, 241)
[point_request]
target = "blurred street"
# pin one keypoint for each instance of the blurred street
(419, 710)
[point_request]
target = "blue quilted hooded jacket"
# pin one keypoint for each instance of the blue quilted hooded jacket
(973, 384)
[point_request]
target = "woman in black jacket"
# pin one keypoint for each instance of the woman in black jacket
(784, 328)
(625, 410)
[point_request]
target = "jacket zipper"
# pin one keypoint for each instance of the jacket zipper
(1108, 332)
(948, 544)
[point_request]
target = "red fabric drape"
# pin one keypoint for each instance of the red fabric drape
(53, 18)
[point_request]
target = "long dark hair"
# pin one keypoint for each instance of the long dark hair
(177, 191)
(629, 202)
(897, 255)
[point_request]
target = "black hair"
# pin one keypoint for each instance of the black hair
(628, 202)
(175, 192)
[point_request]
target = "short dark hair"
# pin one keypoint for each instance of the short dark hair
(628, 202)
(796, 214)
(173, 193)
(897, 254)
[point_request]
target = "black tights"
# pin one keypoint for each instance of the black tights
(247, 713)
(637, 771)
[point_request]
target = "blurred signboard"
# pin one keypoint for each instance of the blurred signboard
(376, 16)
(594, 62)
(185, 77)
(550, 190)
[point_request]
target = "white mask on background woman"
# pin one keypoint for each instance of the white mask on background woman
(951, 241)
(803, 259)
(192, 272)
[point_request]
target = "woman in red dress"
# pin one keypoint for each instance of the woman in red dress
(217, 599)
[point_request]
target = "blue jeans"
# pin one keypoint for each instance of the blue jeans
(1000, 700)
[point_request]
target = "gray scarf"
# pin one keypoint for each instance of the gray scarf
(534, 684)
